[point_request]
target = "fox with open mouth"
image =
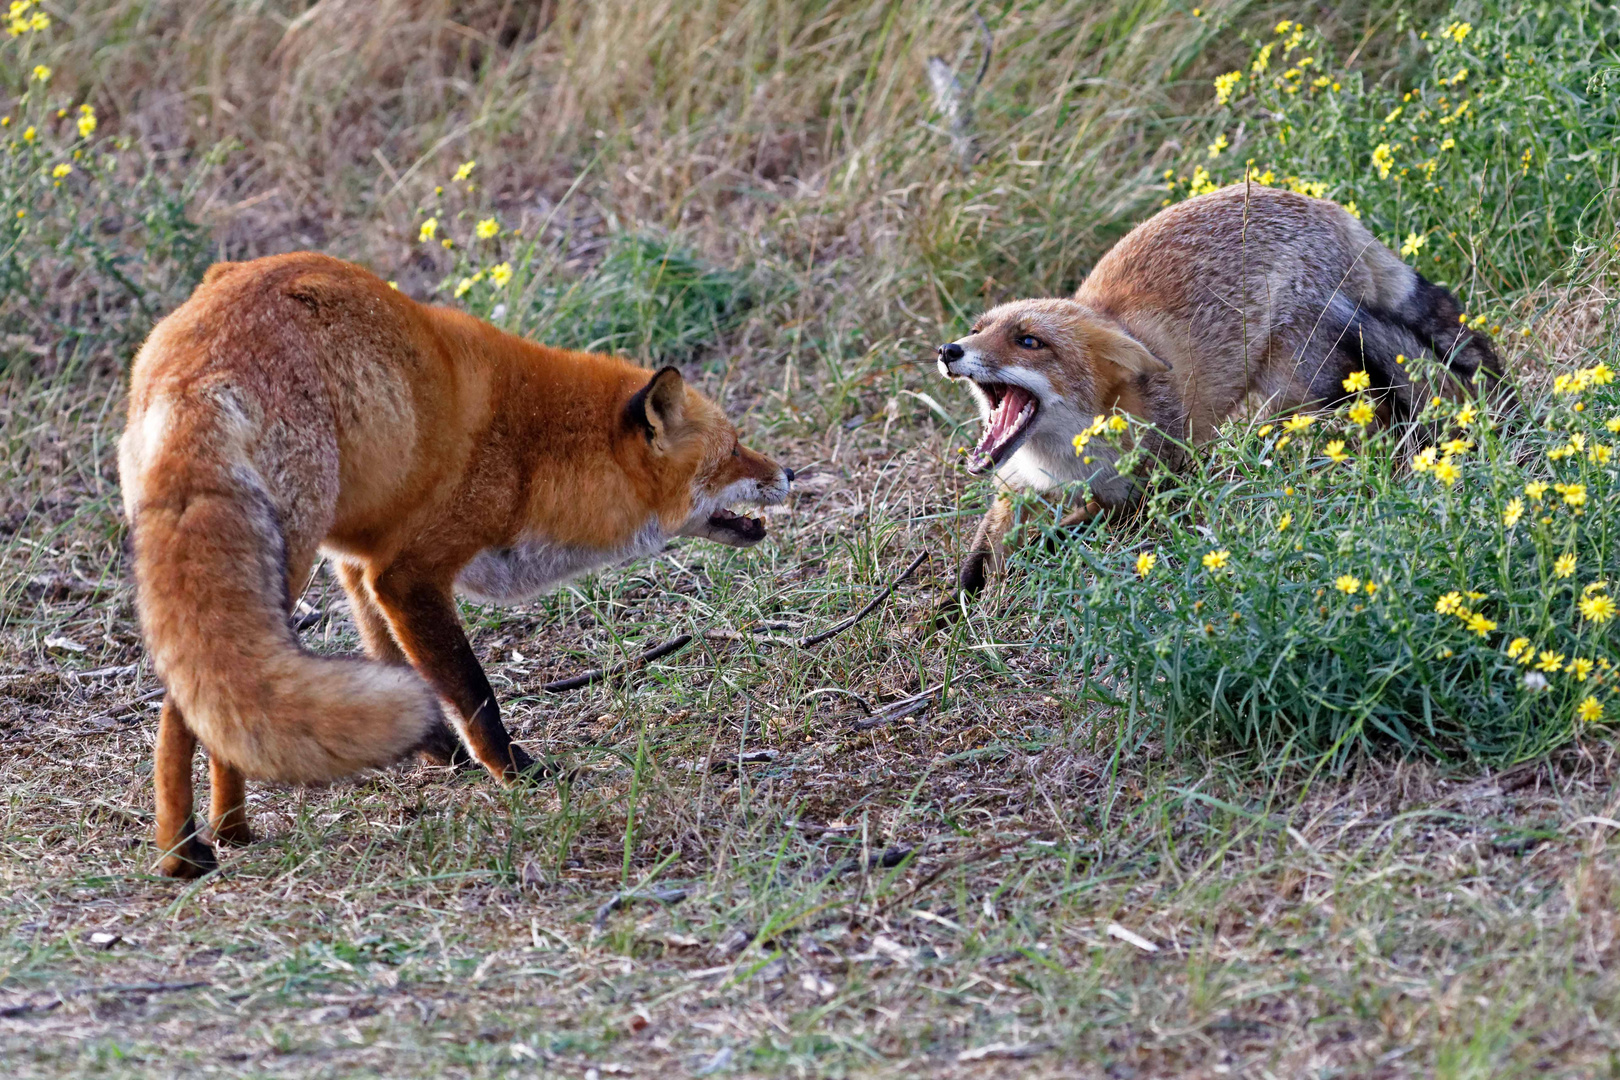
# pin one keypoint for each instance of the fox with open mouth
(1245, 291)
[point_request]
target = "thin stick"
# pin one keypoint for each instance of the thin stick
(954, 864)
(895, 710)
(868, 609)
(657, 652)
(675, 644)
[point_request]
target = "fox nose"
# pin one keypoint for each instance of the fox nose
(789, 474)
(949, 352)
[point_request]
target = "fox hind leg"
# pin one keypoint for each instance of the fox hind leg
(185, 853)
(227, 804)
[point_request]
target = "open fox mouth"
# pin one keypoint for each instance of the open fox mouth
(1012, 410)
(737, 529)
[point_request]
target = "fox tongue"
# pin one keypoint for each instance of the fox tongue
(1002, 426)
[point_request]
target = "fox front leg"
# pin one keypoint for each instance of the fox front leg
(986, 556)
(441, 745)
(422, 615)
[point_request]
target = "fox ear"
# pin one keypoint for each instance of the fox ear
(1113, 344)
(659, 407)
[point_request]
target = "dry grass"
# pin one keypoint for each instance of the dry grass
(1400, 921)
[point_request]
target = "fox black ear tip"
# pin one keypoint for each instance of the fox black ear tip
(789, 474)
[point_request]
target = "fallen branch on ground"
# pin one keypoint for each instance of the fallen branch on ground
(681, 641)
(674, 644)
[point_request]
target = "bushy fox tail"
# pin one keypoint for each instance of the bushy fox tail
(211, 585)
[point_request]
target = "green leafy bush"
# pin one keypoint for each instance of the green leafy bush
(1303, 592)
(647, 297)
(94, 247)
(1488, 164)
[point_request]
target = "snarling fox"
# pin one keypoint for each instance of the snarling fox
(296, 405)
(1246, 292)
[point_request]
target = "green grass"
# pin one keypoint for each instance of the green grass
(766, 193)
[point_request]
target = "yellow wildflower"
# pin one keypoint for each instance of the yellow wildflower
(1613, 425)
(1446, 472)
(1262, 59)
(1517, 646)
(1465, 416)
(1144, 563)
(462, 286)
(1574, 494)
(1457, 31)
(487, 229)
(1564, 566)
(1383, 159)
(87, 121)
(42, 73)
(1424, 461)
(1347, 584)
(1299, 422)
(464, 171)
(1335, 451)
(1449, 604)
(1453, 447)
(1550, 661)
(1225, 84)
(1536, 489)
(1357, 380)
(1590, 710)
(1353, 210)
(1412, 244)
(1479, 624)
(1362, 413)
(1286, 520)
(1598, 609)
(28, 133)
(1372, 588)
(1117, 423)
(429, 228)
(1217, 560)
(1514, 511)
(1218, 145)
(1580, 667)
(61, 170)
(500, 274)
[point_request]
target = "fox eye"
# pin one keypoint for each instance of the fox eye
(736, 449)
(1028, 341)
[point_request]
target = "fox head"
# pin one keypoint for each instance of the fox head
(702, 467)
(1041, 370)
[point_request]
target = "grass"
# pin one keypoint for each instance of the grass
(765, 193)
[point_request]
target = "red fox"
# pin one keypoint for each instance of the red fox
(1245, 291)
(297, 405)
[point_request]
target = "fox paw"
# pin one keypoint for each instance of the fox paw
(189, 859)
(442, 746)
(232, 829)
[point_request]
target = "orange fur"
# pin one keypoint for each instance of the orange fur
(297, 404)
